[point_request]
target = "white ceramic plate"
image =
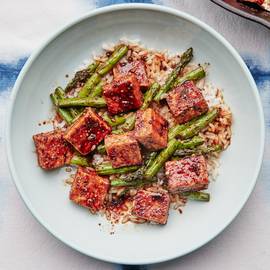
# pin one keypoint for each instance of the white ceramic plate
(45, 193)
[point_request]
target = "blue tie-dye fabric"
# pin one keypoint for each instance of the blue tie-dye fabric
(261, 75)
(9, 73)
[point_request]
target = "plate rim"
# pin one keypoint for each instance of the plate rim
(108, 9)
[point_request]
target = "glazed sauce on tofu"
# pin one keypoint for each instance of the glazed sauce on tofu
(92, 133)
(136, 67)
(123, 95)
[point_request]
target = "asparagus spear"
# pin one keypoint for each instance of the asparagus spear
(139, 174)
(199, 124)
(80, 161)
(54, 99)
(174, 131)
(194, 126)
(166, 153)
(184, 60)
(61, 94)
(103, 70)
(113, 122)
(130, 122)
(198, 151)
(128, 125)
(81, 76)
(89, 85)
(97, 91)
(190, 143)
(149, 95)
(134, 176)
(74, 112)
(112, 61)
(122, 183)
(193, 75)
(101, 149)
(151, 159)
(197, 196)
(97, 102)
(125, 183)
(107, 169)
(64, 113)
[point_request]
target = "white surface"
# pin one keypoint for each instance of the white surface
(16, 43)
(24, 244)
(42, 191)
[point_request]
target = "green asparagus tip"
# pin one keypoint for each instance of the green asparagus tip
(197, 196)
(80, 161)
(107, 169)
(96, 102)
(135, 183)
(101, 149)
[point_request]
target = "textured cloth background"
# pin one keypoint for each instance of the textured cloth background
(25, 244)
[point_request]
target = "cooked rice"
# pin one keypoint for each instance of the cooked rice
(158, 66)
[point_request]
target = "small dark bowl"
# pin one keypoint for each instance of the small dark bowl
(249, 11)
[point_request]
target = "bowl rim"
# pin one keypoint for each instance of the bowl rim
(108, 9)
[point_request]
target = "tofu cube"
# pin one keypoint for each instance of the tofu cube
(151, 206)
(151, 129)
(123, 150)
(87, 132)
(136, 67)
(123, 95)
(187, 174)
(186, 102)
(52, 149)
(88, 189)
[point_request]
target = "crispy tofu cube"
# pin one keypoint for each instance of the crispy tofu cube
(151, 129)
(123, 95)
(88, 189)
(187, 174)
(52, 149)
(87, 132)
(186, 102)
(135, 67)
(123, 150)
(152, 206)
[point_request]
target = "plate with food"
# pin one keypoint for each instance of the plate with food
(254, 10)
(118, 128)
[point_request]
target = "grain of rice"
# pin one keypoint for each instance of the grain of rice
(132, 192)
(69, 181)
(137, 220)
(125, 219)
(120, 191)
(97, 159)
